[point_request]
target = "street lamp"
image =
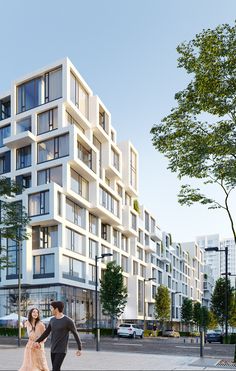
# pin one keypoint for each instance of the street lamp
(144, 302)
(225, 250)
(96, 297)
(172, 308)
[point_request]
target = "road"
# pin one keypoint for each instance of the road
(178, 347)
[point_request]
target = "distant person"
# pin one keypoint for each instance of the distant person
(34, 359)
(60, 326)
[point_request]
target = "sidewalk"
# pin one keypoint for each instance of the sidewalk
(11, 358)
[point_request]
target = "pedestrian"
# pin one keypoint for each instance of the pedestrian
(34, 359)
(59, 326)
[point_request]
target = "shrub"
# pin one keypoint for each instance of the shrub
(9, 331)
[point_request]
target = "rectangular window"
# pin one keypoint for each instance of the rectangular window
(115, 159)
(75, 241)
(23, 157)
(23, 125)
(54, 148)
(124, 263)
(12, 256)
(75, 213)
(38, 203)
(87, 156)
(72, 121)
(133, 221)
(108, 201)
(79, 95)
(40, 90)
(146, 221)
(5, 108)
(105, 232)
(124, 243)
(5, 132)
(93, 224)
(133, 169)
(103, 119)
(73, 269)
(135, 268)
(23, 181)
(47, 121)
(79, 185)
(93, 248)
(115, 238)
(50, 175)
(43, 266)
(5, 162)
(44, 237)
(92, 274)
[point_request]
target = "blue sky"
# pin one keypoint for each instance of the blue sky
(126, 51)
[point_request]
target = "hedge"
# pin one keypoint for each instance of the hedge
(7, 331)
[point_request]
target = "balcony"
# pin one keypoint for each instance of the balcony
(156, 234)
(150, 246)
(19, 140)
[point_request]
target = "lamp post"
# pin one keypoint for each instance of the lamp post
(173, 307)
(96, 298)
(19, 291)
(225, 250)
(144, 302)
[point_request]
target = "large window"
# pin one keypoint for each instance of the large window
(47, 121)
(108, 201)
(43, 266)
(52, 174)
(5, 162)
(23, 157)
(75, 241)
(73, 269)
(78, 95)
(23, 181)
(92, 274)
(75, 213)
(23, 125)
(79, 185)
(93, 224)
(12, 256)
(5, 108)
(115, 159)
(5, 132)
(40, 90)
(86, 156)
(44, 237)
(93, 248)
(38, 203)
(53, 148)
(133, 169)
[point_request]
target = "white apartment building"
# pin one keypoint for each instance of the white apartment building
(80, 184)
(211, 258)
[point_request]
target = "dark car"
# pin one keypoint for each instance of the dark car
(214, 337)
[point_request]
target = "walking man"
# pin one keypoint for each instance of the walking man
(60, 326)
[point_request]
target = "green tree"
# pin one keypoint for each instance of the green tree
(197, 314)
(162, 305)
(213, 322)
(13, 220)
(113, 293)
(232, 315)
(218, 300)
(198, 137)
(187, 311)
(13, 228)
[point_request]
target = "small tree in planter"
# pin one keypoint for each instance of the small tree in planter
(162, 305)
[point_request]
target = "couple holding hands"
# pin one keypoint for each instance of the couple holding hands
(59, 327)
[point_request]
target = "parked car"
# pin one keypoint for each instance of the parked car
(129, 330)
(214, 336)
(171, 333)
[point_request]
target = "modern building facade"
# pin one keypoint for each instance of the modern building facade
(80, 188)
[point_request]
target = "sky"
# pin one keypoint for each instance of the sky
(126, 52)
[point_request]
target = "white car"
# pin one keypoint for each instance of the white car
(129, 330)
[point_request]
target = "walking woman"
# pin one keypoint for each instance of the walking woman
(34, 359)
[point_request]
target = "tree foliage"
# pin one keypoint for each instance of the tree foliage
(113, 293)
(197, 313)
(162, 304)
(232, 317)
(13, 219)
(213, 322)
(198, 137)
(187, 311)
(218, 300)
